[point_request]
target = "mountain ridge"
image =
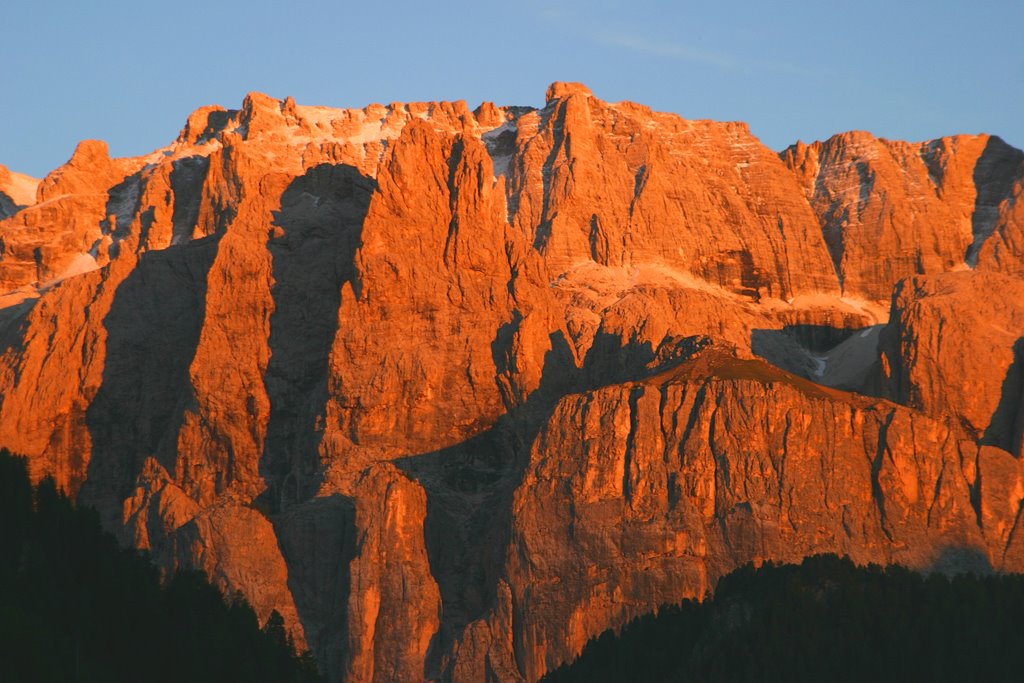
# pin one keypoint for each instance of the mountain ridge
(340, 359)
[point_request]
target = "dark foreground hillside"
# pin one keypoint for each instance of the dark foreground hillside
(823, 620)
(76, 607)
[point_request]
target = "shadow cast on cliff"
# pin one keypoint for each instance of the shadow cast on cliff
(187, 177)
(318, 541)
(953, 560)
(471, 485)
(838, 357)
(153, 329)
(995, 172)
(13, 326)
(791, 347)
(313, 242)
(1005, 428)
(470, 488)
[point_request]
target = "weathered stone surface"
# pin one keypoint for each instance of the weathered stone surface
(619, 185)
(955, 347)
(236, 547)
(393, 604)
(1002, 250)
(1000, 483)
(890, 209)
(439, 282)
(676, 480)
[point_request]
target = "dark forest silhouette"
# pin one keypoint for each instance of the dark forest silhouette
(823, 620)
(74, 606)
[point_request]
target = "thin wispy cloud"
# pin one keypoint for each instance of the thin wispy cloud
(663, 48)
(584, 25)
(573, 20)
(681, 51)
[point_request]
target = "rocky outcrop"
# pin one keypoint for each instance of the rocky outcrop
(439, 282)
(17, 191)
(454, 390)
(924, 208)
(620, 185)
(394, 604)
(955, 346)
(678, 479)
(1001, 250)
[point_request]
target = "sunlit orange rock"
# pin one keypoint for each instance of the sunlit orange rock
(17, 191)
(890, 209)
(678, 479)
(955, 347)
(394, 607)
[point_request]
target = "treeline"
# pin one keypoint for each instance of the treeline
(823, 620)
(74, 606)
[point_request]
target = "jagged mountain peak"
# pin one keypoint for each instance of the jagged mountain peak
(562, 89)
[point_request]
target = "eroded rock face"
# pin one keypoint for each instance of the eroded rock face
(439, 282)
(454, 391)
(890, 209)
(620, 185)
(955, 346)
(677, 480)
(394, 607)
(1001, 251)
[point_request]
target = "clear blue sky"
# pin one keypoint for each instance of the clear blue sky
(130, 72)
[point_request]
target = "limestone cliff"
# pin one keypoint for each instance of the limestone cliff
(454, 390)
(890, 209)
(678, 479)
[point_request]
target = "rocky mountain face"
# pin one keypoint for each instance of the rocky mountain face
(454, 391)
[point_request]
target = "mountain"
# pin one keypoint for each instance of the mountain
(455, 391)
